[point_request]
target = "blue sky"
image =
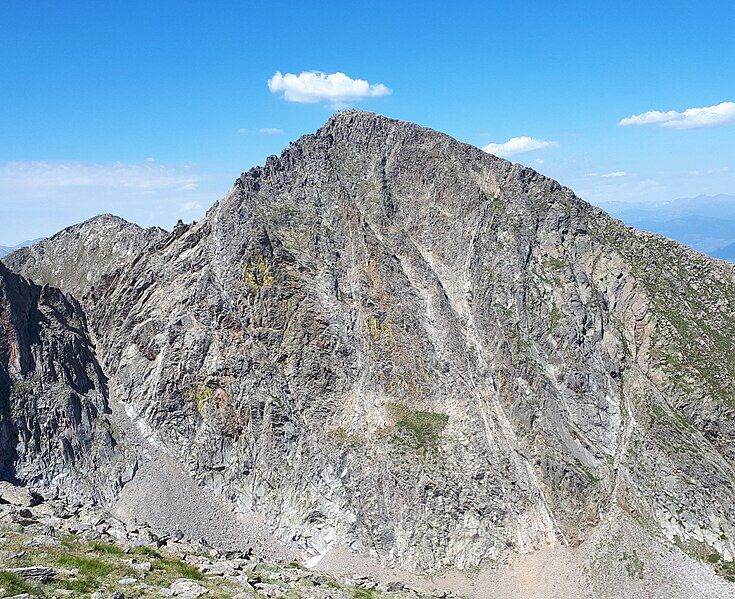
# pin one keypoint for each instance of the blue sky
(151, 109)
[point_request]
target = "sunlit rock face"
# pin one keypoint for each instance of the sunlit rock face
(390, 340)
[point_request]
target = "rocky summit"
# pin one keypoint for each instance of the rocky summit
(390, 343)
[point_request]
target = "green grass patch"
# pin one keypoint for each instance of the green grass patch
(22, 388)
(364, 594)
(726, 570)
(722, 568)
(82, 584)
(88, 566)
(554, 317)
(14, 584)
(422, 429)
(178, 568)
(147, 552)
(71, 542)
(633, 564)
(106, 548)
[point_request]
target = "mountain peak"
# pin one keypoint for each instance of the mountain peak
(78, 257)
(390, 340)
(364, 123)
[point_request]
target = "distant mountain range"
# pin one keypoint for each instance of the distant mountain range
(5, 249)
(705, 223)
(726, 253)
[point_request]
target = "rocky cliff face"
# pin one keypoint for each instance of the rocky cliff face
(388, 339)
(53, 397)
(85, 256)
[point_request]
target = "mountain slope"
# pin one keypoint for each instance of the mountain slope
(53, 398)
(85, 255)
(390, 340)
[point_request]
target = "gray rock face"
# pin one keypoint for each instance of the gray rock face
(388, 339)
(84, 256)
(53, 398)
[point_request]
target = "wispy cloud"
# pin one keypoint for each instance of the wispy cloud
(691, 118)
(709, 171)
(518, 145)
(311, 87)
(648, 184)
(612, 175)
(38, 198)
(147, 176)
(189, 206)
(262, 130)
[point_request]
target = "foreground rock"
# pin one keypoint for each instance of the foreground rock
(57, 549)
(20, 496)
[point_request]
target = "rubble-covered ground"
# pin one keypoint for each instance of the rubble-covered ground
(51, 548)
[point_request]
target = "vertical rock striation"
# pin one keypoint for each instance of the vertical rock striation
(53, 397)
(388, 339)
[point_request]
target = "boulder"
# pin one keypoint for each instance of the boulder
(185, 588)
(18, 496)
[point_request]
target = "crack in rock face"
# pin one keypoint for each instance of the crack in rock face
(388, 340)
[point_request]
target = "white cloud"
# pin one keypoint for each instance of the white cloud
(38, 198)
(648, 184)
(243, 130)
(613, 175)
(271, 130)
(517, 145)
(143, 177)
(709, 171)
(311, 87)
(189, 206)
(691, 118)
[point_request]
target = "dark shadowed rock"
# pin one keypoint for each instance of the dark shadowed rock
(53, 397)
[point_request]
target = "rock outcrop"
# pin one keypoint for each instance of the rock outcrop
(86, 256)
(54, 432)
(390, 340)
(61, 549)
